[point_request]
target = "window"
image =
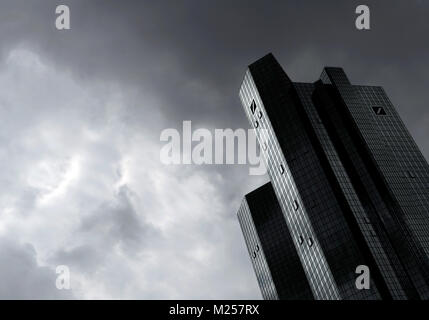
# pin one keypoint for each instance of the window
(260, 114)
(253, 107)
(257, 248)
(254, 255)
(379, 111)
(411, 174)
(282, 169)
(256, 124)
(264, 146)
(295, 205)
(310, 242)
(301, 240)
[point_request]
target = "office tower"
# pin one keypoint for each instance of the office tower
(350, 181)
(271, 247)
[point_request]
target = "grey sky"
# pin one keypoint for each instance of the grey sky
(82, 111)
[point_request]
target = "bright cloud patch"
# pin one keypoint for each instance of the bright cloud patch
(82, 186)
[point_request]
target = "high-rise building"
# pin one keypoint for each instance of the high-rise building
(350, 181)
(271, 247)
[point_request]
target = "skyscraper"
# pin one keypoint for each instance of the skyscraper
(271, 247)
(349, 179)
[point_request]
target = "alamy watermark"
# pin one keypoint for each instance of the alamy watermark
(62, 22)
(362, 21)
(62, 281)
(218, 146)
(363, 280)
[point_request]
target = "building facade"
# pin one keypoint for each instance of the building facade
(271, 247)
(349, 179)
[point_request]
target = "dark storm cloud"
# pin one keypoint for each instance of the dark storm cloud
(194, 53)
(119, 221)
(117, 224)
(187, 58)
(22, 278)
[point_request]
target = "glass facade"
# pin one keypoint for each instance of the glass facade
(271, 248)
(349, 179)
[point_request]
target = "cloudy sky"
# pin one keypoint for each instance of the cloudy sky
(82, 110)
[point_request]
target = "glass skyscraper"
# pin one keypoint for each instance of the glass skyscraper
(349, 187)
(271, 247)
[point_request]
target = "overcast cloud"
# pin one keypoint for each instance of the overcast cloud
(82, 111)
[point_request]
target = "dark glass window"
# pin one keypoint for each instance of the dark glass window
(282, 169)
(379, 111)
(253, 107)
(411, 174)
(310, 242)
(295, 205)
